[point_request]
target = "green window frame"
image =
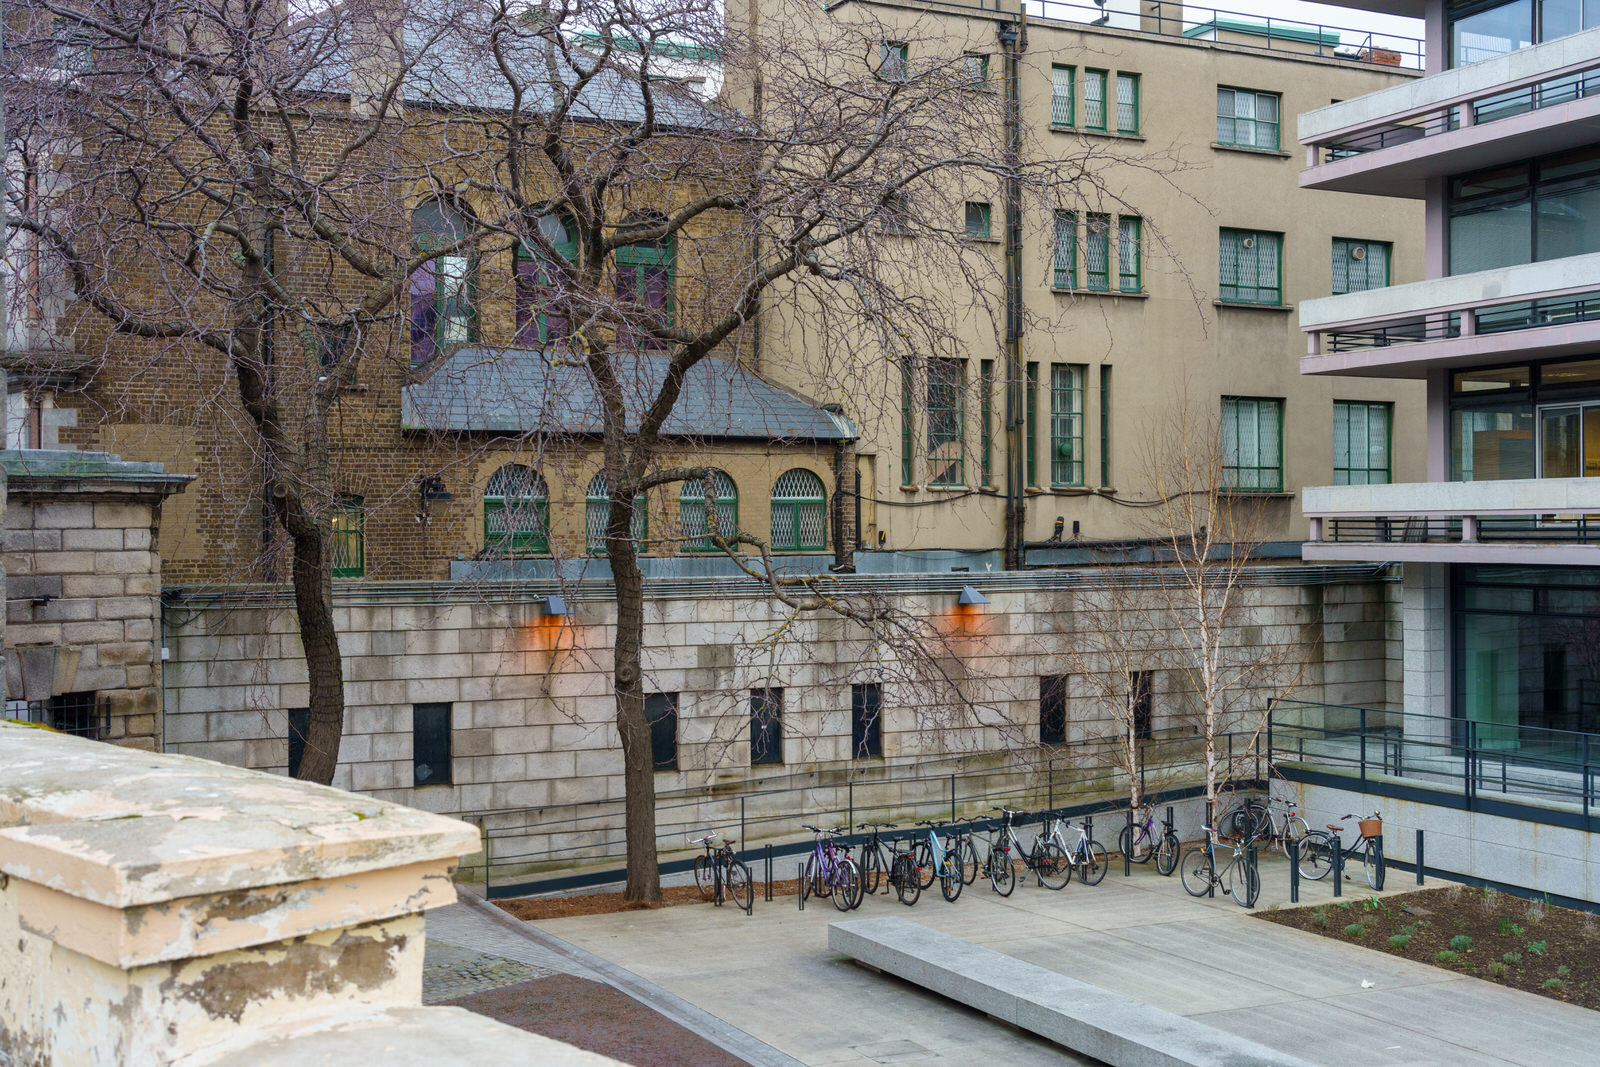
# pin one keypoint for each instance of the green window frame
(1065, 274)
(349, 524)
(1127, 103)
(947, 421)
(1360, 265)
(799, 512)
(1066, 423)
(908, 468)
(1252, 444)
(1130, 254)
(1248, 118)
(597, 512)
(516, 511)
(1097, 253)
(443, 291)
(647, 275)
(694, 528)
(892, 59)
(1105, 424)
(1362, 442)
(1030, 410)
(1094, 99)
(979, 220)
(986, 423)
(1250, 267)
(1063, 104)
(532, 274)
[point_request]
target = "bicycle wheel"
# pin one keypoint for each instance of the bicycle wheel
(1370, 865)
(969, 861)
(846, 884)
(1237, 822)
(1316, 855)
(1196, 872)
(950, 883)
(704, 877)
(1002, 879)
(1260, 820)
(925, 871)
(1294, 830)
(1244, 884)
(1134, 843)
(1167, 853)
(903, 876)
(1055, 870)
(740, 886)
(1092, 863)
(816, 878)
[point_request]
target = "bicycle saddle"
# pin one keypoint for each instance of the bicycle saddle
(1333, 826)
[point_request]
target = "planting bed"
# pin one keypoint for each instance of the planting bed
(1528, 945)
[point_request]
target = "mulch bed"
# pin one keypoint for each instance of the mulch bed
(535, 908)
(1527, 945)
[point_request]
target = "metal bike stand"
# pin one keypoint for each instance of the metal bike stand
(1255, 870)
(1338, 865)
(1127, 853)
(1420, 864)
(716, 884)
(1294, 872)
(1377, 846)
(800, 885)
(769, 874)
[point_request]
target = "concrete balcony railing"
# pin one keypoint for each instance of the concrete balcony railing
(1533, 310)
(1523, 520)
(1516, 106)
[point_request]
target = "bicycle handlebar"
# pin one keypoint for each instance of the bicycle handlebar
(876, 825)
(703, 840)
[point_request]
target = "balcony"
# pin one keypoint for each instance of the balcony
(1543, 521)
(1520, 105)
(1532, 310)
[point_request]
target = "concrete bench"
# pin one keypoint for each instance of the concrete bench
(1081, 1017)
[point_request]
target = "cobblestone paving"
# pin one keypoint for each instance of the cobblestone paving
(450, 971)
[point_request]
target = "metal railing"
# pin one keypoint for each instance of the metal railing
(1502, 317)
(1579, 529)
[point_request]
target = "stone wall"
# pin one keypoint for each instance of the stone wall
(83, 587)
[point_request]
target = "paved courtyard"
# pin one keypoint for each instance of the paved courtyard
(766, 988)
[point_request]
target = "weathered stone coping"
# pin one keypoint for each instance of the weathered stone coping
(131, 857)
(58, 471)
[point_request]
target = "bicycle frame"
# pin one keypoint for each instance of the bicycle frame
(941, 865)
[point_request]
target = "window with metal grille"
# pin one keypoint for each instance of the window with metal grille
(1142, 704)
(1066, 251)
(978, 219)
(1094, 99)
(77, 714)
(986, 407)
(1247, 118)
(1130, 267)
(1061, 96)
(1097, 253)
(947, 452)
(892, 57)
(442, 312)
(1053, 709)
(766, 726)
(1127, 103)
(661, 712)
(799, 512)
(1250, 265)
(908, 466)
(430, 744)
(1066, 423)
(349, 523)
(1030, 412)
(1360, 265)
(1105, 424)
(1361, 442)
(299, 726)
(695, 528)
(1252, 443)
(975, 67)
(597, 512)
(866, 721)
(516, 511)
(535, 282)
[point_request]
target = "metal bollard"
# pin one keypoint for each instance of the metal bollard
(1377, 847)
(1338, 866)
(800, 885)
(716, 884)
(1127, 853)
(1251, 861)
(769, 874)
(1294, 872)
(1420, 864)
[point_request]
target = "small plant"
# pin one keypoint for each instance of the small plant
(1460, 943)
(1371, 904)
(1399, 941)
(1591, 926)
(1453, 893)
(1537, 947)
(1409, 929)
(1509, 928)
(1497, 970)
(1536, 911)
(1345, 904)
(1491, 900)
(1563, 970)
(1319, 916)
(1446, 956)
(1555, 985)
(1512, 958)
(1355, 930)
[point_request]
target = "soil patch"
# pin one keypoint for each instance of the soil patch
(535, 908)
(1527, 945)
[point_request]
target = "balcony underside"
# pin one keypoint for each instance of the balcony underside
(1542, 554)
(1457, 353)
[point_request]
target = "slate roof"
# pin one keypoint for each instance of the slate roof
(521, 391)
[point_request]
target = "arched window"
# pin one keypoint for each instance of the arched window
(645, 278)
(597, 509)
(692, 512)
(799, 512)
(536, 324)
(516, 511)
(442, 288)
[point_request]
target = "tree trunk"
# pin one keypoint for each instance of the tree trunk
(638, 761)
(313, 602)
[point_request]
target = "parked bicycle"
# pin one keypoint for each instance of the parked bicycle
(830, 872)
(957, 844)
(719, 865)
(1147, 839)
(1320, 849)
(933, 861)
(903, 876)
(877, 858)
(1277, 827)
(1046, 859)
(1086, 858)
(1237, 878)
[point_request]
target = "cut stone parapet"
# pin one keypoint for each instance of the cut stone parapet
(1107, 1026)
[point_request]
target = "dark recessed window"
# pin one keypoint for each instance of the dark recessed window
(766, 726)
(75, 713)
(866, 721)
(1140, 697)
(430, 744)
(1052, 709)
(299, 726)
(661, 712)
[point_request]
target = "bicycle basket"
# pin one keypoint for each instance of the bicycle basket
(1371, 827)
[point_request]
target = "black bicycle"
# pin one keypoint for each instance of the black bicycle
(1319, 849)
(877, 858)
(720, 871)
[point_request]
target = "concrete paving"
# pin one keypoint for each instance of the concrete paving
(771, 976)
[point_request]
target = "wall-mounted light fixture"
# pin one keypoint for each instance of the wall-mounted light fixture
(970, 595)
(555, 605)
(430, 490)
